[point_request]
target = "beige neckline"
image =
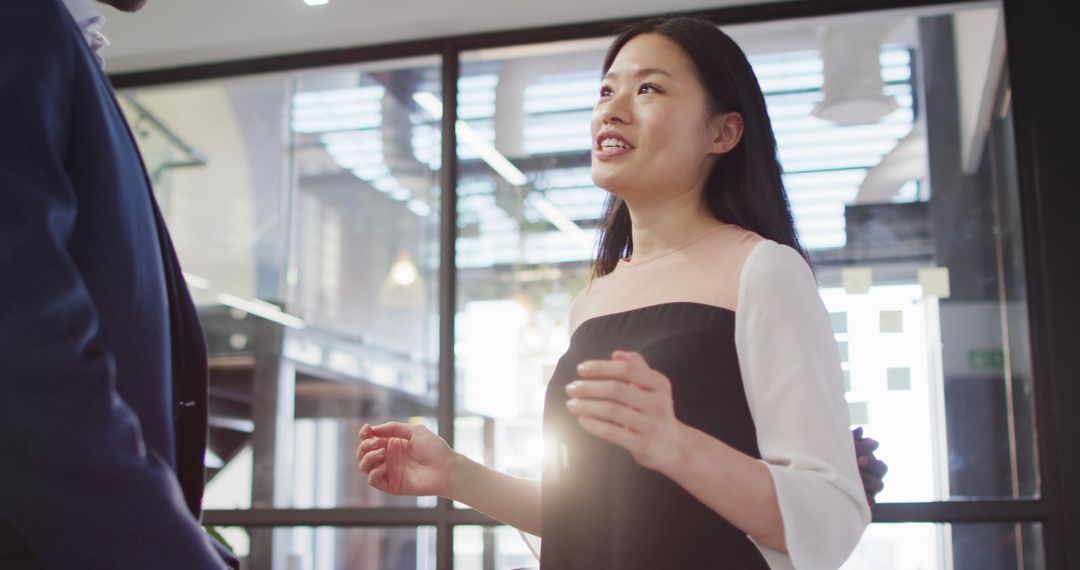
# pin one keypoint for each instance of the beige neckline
(626, 262)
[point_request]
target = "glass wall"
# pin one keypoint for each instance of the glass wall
(337, 548)
(527, 213)
(305, 211)
(306, 208)
(910, 546)
(917, 546)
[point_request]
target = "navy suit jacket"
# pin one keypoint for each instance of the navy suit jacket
(103, 375)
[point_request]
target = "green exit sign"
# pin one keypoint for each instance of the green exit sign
(993, 359)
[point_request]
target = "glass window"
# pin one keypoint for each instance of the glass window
(332, 548)
(527, 213)
(924, 265)
(493, 548)
(891, 546)
(305, 210)
(926, 546)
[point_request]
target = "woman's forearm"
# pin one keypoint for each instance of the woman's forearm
(735, 485)
(507, 499)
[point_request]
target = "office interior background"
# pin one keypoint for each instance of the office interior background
(377, 225)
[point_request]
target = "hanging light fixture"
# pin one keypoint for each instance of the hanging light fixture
(853, 89)
(404, 272)
(403, 286)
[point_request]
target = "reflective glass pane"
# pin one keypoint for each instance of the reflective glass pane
(494, 548)
(923, 274)
(914, 546)
(331, 548)
(527, 213)
(305, 210)
(925, 546)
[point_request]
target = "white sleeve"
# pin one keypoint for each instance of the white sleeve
(791, 372)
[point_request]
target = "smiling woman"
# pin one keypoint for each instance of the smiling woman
(686, 442)
(679, 439)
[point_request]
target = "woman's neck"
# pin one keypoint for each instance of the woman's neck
(665, 225)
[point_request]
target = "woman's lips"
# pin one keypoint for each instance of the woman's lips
(610, 152)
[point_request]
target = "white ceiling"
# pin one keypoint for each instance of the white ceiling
(169, 33)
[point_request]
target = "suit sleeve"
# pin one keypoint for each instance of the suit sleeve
(77, 484)
(794, 385)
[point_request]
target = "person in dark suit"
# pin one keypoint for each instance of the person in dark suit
(103, 371)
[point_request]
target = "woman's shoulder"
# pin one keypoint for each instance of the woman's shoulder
(768, 260)
(577, 308)
(773, 269)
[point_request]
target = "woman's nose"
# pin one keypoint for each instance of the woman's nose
(616, 110)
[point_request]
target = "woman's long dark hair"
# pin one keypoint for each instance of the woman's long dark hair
(744, 187)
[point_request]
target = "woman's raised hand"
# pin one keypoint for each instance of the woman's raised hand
(405, 459)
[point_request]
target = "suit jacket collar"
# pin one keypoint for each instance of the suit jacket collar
(90, 22)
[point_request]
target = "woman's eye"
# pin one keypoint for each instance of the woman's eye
(605, 91)
(649, 88)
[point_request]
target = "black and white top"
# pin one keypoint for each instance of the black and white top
(753, 362)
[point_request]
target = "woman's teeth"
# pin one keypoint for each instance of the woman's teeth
(613, 143)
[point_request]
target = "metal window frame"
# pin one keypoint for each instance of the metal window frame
(1045, 120)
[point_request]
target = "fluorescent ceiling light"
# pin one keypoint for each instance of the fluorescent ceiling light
(261, 309)
(469, 136)
(211, 460)
(430, 103)
(494, 158)
(419, 207)
(557, 218)
(316, 2)
(196, 281)
(251, 306)
(400, 194)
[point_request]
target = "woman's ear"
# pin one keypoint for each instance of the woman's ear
(727, 132)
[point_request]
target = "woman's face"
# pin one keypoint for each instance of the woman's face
(652, 136)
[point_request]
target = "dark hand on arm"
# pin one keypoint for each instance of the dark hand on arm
(871, 468)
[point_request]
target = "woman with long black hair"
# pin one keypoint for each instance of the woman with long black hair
(697, 419)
